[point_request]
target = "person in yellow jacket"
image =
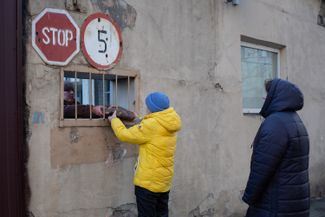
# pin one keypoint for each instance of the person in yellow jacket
(156, 136)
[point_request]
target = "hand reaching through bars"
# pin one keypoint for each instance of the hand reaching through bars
(110, 118)
(121, 113)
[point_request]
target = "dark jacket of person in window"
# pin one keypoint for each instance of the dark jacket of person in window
(278, 183)
(83, 111)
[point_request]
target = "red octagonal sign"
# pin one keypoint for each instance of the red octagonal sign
(55, 36)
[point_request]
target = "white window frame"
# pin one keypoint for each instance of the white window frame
(260, 47)
(96, 122)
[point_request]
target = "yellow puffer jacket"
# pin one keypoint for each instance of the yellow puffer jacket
(156, 137)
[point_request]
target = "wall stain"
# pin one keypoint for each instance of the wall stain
(218, 86)
(38, 118)
(125, 210)
(206, 208)
(115, 154)
(77, 5)
(123, 13)
(212, 207)
(74, 135)
(182, 83)
(321, 15)
(212, 71)
(30, 214)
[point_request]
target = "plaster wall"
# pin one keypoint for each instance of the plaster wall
(292, 24)
(189, 49)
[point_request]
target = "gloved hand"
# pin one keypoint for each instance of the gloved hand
(110, 118)
(121, 113)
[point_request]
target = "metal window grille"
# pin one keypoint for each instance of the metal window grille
(116, 87)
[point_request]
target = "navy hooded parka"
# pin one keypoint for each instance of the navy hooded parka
(278, 183)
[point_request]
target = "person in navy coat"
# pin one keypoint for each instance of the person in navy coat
(278, 183)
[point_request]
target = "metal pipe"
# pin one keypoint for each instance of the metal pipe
(128, 92)
(116, 90)
(103, 91)
(75, 96)
(90, 97)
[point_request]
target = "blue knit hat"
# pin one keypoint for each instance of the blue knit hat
(157, 101)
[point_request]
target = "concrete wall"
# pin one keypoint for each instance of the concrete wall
(293, 24)
(191, 50)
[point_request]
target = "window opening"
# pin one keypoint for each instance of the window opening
(85, 91)
(258, 63)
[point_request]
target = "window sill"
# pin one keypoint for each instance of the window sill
(91, 123)
(84, 123)
(251, 111)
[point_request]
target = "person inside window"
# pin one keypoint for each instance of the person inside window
(83, 111)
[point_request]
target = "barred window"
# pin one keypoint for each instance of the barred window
(86, 94)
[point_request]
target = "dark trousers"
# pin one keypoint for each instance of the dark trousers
(151, 204)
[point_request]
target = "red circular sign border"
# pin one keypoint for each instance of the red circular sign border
(83, 48)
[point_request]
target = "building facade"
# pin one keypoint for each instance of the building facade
(211, 58)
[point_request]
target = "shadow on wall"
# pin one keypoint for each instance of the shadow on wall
(123, 13)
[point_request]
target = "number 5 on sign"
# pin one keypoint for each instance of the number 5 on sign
(104, 41)
(101, 41)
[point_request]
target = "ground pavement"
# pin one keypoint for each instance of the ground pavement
(317, 208)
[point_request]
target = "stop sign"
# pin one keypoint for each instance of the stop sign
(55, 36)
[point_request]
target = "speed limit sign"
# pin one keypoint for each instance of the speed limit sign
(101, 41)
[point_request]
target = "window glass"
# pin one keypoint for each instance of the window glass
(257, 65)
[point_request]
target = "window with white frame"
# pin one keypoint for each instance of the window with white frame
(83, 90)
(258, 63)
